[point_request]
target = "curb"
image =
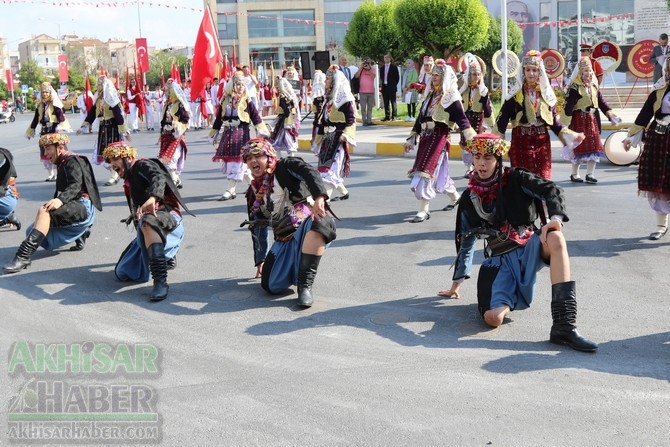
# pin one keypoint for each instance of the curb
(397, 150)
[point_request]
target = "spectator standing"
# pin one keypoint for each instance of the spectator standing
(409, 78)
(366, 74)
(390, 77)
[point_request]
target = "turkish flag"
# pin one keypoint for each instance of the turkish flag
(88, 95)
(226, 68)
(206, 54)
(62, 68)
(142, 54)
(174, 74)
(10, 79)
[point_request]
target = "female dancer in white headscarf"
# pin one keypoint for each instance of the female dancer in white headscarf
(285, 129)
(336, 132)
(173, 127)
(440, 110)
(112, 127)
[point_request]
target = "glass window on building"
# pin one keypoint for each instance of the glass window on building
(281, 55)
(227, 1)
(288, 23)
(227, 26)
(335, 28)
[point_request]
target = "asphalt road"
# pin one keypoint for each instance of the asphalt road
(379, 360)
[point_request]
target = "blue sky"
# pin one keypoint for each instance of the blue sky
(163, 23)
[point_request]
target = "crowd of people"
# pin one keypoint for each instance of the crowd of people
(516, 209)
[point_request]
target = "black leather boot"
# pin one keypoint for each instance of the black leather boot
(11, 219)
(172, 263)
(80, 242)
(564, 314)
(25, 252)
(308, 267)
(158, 268)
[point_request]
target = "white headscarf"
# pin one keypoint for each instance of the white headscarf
(318, 84)
(450, 93)
(285, 89)
(109, 92)
(664, 80)
(533, 57)
(174, 87)
(340, 91)
(471, 61)
(577, 72)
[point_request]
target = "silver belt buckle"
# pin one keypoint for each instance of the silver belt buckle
(329, 129)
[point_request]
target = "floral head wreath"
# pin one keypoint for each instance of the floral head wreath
(330, 73)
(54, 138)
(258, 146)
(533, 57)
(584, 62)
(440, 67)
(428, 60)
(119, 149)
(487, 144)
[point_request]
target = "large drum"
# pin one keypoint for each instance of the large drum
(616, 153)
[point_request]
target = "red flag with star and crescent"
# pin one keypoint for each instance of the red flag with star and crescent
(88, 95)
(62, 68)
(206, 54)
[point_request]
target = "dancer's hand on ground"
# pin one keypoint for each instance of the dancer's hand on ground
(451, 293)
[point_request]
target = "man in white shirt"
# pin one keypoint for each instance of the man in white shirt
(658, 56)
(252, 85)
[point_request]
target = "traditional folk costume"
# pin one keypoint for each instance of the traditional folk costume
(135, 102)
(10, 196)
(581, 110)
(141, 260)
(439, 112)
(532, 110)
(49, 113)
(72, 221)
(337, 123)
(282, 195)
(503, 209)
(174, 124)
(231, 129)
(112, 125)
(424, 80)
(286, 127)
(476, 102)
(318, 100)
(652, 128)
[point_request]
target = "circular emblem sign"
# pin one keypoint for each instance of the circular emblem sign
(512, 63)
(608, 54)
(638, 59)
(554, 63)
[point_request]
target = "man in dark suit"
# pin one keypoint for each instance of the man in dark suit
(658, 56)
(389, 78)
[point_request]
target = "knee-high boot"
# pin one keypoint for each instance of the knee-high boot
(306, 274)
(25, 252)
(564, 314)
(11, 219)
(158, 268)
(80, 242)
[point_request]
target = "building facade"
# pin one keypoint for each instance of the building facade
(262, 30)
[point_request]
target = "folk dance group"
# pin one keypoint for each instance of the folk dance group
(290, 196)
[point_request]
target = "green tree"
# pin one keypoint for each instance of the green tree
(441, 27)
(514, 42)
(162, 60)
(4, 92)
(373, 32)
(31, 74)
